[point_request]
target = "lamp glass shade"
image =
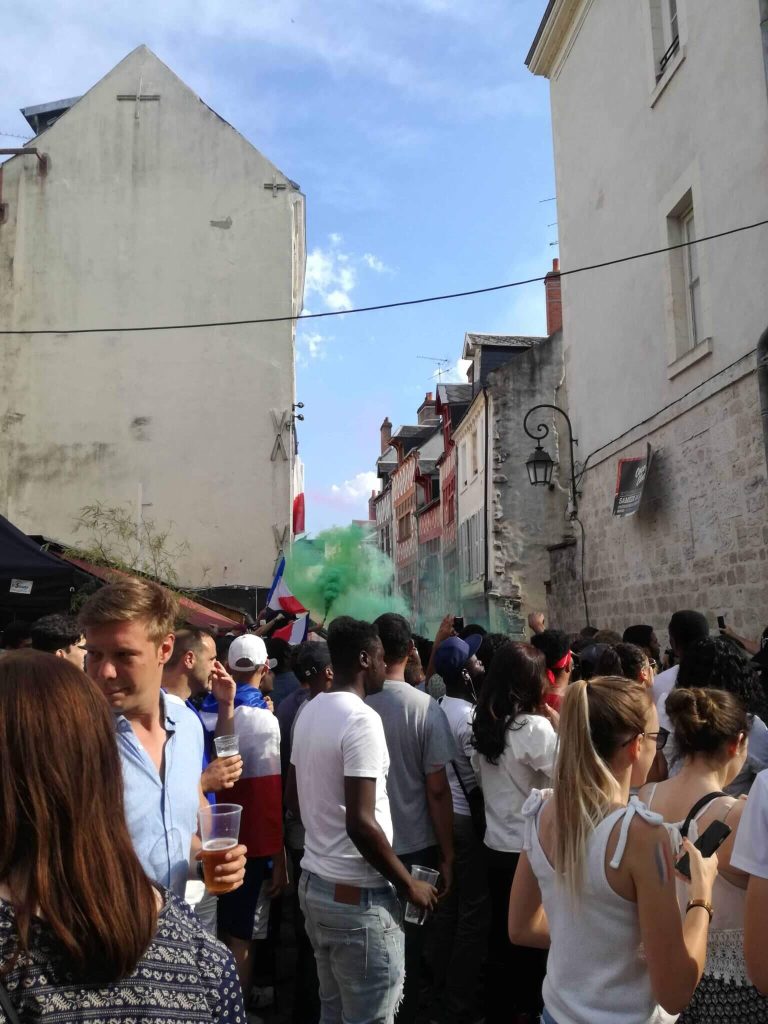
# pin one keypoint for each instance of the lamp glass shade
(539, 466)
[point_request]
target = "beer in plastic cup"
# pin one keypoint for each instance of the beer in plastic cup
(219, 831)
(414, 914)
(227, 746)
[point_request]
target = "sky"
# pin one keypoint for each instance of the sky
(423, 147)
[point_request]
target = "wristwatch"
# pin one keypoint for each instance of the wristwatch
(700, 903)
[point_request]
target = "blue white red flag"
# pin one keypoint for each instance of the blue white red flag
(280, 598)
(295, 632)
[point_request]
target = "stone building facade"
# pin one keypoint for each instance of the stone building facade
(660, 125)
(152, 211)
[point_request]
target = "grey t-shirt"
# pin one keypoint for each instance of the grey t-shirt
(420, 742)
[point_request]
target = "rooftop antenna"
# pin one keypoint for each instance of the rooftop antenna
(442, 366)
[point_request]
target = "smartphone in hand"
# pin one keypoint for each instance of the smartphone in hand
(458, 623)
(721, 622)
(708, 843)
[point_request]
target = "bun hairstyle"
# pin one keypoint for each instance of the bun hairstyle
(596, 718)
(705, 720)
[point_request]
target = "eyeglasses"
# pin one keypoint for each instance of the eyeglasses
(659, 738)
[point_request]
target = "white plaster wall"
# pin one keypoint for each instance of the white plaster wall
(619, 164)
(119, 233)
(472, 496)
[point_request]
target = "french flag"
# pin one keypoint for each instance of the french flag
(295, 632)
(280, 598)
(259, 790)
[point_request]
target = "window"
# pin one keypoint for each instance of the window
(472, 547)
(463, 463)
(473, 450)
(692, 281)
(404, 527)
(684, 265)
(665, 32)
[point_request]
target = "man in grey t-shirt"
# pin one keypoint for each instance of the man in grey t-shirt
(420, 744)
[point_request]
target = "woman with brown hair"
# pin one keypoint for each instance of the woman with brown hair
(84, 935)
(711, 728)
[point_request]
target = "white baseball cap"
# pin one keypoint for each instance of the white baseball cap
(248, 652)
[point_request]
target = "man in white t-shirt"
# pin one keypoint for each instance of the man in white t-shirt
(351, 876)
(750, 854)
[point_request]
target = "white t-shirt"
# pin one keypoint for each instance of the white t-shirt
(750, 850)
(336, 737)
(459, 714)
(527, 763)
(663, 683)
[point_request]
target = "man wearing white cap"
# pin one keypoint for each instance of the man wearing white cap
(251, 667)
(259, 791)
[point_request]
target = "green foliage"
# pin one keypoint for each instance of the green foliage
(113, 538)
(342, 572)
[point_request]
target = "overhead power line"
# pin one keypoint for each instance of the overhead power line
(388, 305)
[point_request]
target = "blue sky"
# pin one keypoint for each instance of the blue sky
(422, 144)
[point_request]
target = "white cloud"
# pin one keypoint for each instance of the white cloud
(357, 489)
(374, 263)
(457, 373)
(333, 272)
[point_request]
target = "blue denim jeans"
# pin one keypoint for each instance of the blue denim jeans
(359, 951)
(547, 1018)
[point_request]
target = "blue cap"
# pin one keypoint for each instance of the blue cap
(454, 653)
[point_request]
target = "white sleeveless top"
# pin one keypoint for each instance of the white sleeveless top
(596, 972)
(725, 942)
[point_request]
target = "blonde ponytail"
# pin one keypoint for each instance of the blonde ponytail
(597, 716)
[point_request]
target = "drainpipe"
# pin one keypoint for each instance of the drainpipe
(764, 33)
(487, 581)
(762, 385)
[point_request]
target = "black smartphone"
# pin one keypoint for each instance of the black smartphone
(458, 623)
(721, 622)
(709, 842)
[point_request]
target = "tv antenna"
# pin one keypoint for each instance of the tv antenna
(443, 366)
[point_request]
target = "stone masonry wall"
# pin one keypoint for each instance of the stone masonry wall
(524, 520)
(700, 537)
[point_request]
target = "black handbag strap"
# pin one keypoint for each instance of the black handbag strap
(7, 1006)
(460, 780)
(698, 806)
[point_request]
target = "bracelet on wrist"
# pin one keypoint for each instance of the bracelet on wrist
(704, 904)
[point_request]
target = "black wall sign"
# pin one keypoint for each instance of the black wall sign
(630, 483)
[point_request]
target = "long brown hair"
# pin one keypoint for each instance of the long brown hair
(65, 851)
(596, 718)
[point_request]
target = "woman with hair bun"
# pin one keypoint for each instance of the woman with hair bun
(596, 882)
(711, 728)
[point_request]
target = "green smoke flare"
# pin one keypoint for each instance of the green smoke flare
(342, 572)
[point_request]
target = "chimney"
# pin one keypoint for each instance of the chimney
(386, 434)
(554, 301)
(427, 409)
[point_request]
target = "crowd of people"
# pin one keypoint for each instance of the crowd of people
(465, 829)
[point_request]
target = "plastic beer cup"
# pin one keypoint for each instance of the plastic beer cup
(219, 831)
(414, 914)
(227, 746)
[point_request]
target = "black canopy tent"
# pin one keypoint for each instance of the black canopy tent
(32, 581)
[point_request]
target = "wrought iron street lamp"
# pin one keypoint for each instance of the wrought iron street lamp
(540, 463)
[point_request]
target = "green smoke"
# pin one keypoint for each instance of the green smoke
(342, 572)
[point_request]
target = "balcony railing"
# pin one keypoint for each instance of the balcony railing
(674, 46)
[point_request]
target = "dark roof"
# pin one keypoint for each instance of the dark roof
(43, 115)
(454, 394)
(539, 30)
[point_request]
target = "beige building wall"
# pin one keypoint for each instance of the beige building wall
(637, 147)
(151, 212)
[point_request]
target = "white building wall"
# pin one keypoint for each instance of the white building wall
(151, 213)
(626, 152)
(470, 487)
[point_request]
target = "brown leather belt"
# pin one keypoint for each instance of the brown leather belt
(349, 894)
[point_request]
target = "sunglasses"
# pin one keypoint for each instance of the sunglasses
(659, 738)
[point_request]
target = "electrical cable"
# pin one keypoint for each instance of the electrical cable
(386, 305)
(583, 581)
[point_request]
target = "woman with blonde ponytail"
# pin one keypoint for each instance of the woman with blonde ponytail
(596, 884)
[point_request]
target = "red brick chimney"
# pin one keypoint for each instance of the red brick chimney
(386, 434)
(554, 300)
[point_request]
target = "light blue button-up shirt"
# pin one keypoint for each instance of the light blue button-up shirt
(162, 812)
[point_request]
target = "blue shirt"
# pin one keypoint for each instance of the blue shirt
(162, 813)
(285, 684)
(245, 695)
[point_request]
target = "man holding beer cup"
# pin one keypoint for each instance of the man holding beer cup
(129, 634)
